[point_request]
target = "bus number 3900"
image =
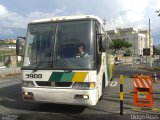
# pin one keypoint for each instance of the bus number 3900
(36, 76)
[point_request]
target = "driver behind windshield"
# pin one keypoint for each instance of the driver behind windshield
(82, 52)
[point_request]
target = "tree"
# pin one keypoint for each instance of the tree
(126, 44)
(119, 44)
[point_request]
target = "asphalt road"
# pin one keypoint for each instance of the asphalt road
(12, 105)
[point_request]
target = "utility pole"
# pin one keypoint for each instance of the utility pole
(2, 57)
(133, 52)
(150, 43)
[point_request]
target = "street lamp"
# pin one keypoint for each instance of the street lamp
(158, 11)
(133, 52)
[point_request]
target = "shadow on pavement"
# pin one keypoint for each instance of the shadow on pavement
(127, 70)
(74, 117)
(10, 97)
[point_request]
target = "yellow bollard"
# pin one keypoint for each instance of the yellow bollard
(121, 94)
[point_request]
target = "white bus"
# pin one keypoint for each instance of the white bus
(67, 60)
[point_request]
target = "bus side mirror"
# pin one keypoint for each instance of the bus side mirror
(100, 45)
(20, 45)
(99, 59)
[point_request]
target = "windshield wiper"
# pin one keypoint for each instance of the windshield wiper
(66, 65)
(42, 60)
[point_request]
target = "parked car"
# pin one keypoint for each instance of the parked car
(118, 62)
(144, 61)
(2, 66)
(137, 61)
(157, 60)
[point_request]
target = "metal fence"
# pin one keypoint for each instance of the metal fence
(7, 71)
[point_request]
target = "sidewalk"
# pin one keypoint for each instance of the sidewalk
(7, 77)
(152, 71)
(9, 81)
(155, 67)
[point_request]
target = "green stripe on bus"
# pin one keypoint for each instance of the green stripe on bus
(56, 76)
(67, 77)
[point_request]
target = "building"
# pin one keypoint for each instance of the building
(138, 38)
(10, 41)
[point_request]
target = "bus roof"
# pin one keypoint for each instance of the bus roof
(63, 18)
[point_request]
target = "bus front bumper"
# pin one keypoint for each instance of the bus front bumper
(61, 96)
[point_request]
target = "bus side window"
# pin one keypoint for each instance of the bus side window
(98, 38)
(98, 47)
(104, 42)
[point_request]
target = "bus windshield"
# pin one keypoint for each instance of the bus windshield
(57, 45)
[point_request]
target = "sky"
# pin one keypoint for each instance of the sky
(16, 14)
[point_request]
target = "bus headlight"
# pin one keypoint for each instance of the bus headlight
(27, 84)
(83, 85)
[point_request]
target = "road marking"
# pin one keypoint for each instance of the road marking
(8, 80)
(6, 99)
(9, 83)
(113, 83)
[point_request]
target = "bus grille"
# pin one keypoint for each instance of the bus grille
(53, 84)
